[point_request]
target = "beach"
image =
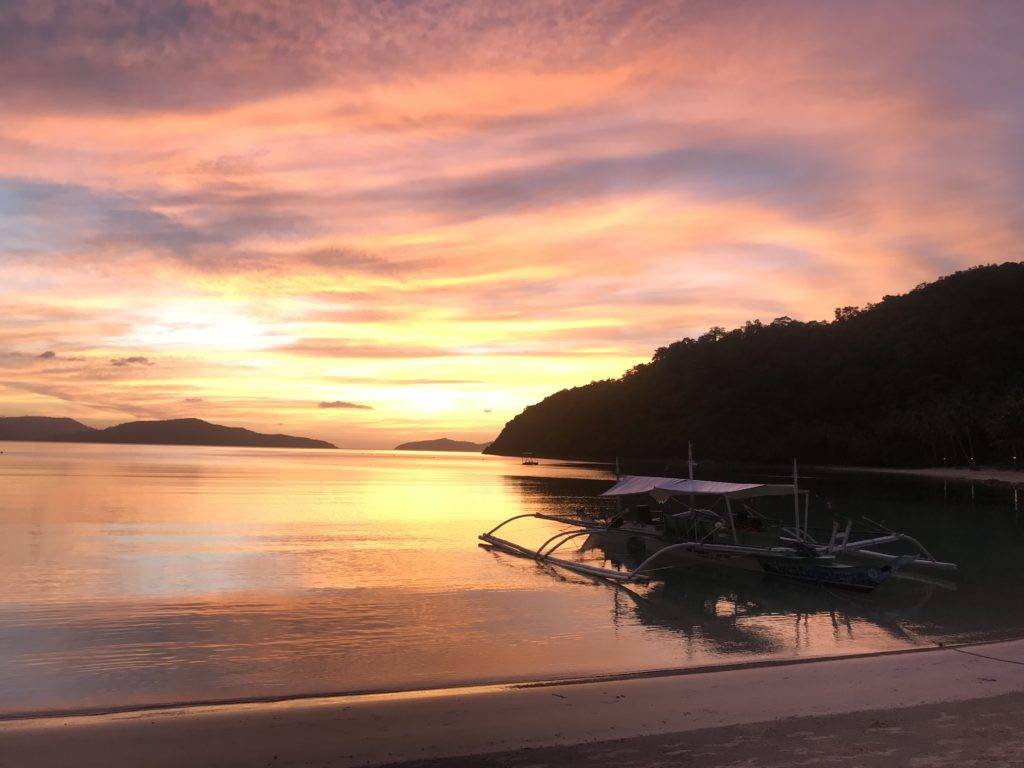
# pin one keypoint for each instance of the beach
(1013, 477)
(965, 733)
(931, 703)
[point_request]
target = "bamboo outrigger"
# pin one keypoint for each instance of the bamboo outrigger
(735, 534)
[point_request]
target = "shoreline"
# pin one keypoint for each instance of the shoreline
(1013, 478)
(347, 697)
(975, 732)
(440, 724)
(487, 686)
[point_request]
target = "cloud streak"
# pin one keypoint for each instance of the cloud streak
(452, 210)
(121, 362)
(345, 405)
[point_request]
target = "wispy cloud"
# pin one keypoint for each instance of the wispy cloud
(121, 362)
(345, 405)
(342, 349)
(450, 211)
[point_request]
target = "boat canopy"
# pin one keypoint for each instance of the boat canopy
(664, 487)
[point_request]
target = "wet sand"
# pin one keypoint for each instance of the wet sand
(1014, 477)
(939, 702)
(979, 732)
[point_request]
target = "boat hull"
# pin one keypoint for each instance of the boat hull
(862, 578)
(638, 542)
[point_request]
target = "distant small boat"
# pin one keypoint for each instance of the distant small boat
(717, 523)
(528, 460)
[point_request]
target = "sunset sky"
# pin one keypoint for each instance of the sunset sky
(378, 221)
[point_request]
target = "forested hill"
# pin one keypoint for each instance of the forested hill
(442, 444)
(931, 377)
(167, 432)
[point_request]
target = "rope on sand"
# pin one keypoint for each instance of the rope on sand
(981, 655)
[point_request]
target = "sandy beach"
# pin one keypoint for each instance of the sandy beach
(929, 703)
(1014, 477)
(966, 733)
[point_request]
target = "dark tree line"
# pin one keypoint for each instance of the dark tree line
(932, 377)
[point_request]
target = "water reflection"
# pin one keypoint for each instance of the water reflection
(979, 526)
(140, 575)
(730, 612)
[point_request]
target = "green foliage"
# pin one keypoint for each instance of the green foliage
(931, 377)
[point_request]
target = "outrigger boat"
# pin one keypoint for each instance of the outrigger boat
(716, 522)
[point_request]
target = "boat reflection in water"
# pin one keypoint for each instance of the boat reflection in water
(737, 612)
(732, 611)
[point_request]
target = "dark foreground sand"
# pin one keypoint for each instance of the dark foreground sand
(920, 708)
(979, 732)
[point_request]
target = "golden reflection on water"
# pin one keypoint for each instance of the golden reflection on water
(140, 574)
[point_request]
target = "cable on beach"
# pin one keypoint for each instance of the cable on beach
(982, 655)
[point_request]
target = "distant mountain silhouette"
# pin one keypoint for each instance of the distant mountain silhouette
(169, 432)
(39, 427)
(443, 444)
(932, 377)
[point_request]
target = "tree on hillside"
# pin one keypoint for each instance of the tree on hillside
(933, 376)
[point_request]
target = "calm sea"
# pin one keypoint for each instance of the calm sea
(134, 575)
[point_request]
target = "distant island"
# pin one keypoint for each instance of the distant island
(934, 377)
(443, 444)
(168, 432)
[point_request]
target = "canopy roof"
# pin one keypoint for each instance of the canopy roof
(664, 487)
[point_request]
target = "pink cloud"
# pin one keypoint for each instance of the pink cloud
(441, 204)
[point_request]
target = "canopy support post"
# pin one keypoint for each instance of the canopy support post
(732, 521)
(796, 501)
(689, 465)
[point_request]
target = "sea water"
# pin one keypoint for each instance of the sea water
(142, 575)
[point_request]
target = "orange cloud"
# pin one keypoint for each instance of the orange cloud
(449, 212)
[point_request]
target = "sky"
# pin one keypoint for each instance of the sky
(372, 222)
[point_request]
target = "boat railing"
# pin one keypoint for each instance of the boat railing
(840, 542)
(924, 558)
